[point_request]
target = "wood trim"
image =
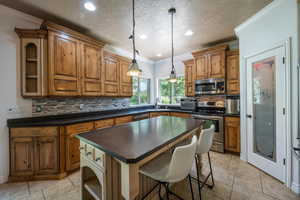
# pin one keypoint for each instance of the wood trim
(189, 62)
(210, 50)
(31, 33)
(67, 31)
(233, 52)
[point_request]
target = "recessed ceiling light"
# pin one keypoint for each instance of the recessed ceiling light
(188, 33)
(89, 6)
(143, 37)
(158, 55)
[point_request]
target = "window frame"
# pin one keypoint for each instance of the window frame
(172, 90)
(139, 90)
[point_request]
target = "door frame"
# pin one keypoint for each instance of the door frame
(286, 44)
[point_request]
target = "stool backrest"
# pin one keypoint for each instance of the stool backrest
(205, 140)
(182, 161)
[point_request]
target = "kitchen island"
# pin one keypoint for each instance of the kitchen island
(111, 157)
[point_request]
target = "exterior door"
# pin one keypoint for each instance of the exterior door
(266, 121)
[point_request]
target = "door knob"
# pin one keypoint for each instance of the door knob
(249, 116)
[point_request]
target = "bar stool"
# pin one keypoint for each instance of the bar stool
(203, 146)
(171, 168)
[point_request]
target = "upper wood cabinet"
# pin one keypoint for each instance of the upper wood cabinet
(64, 65)
(33, 62)
(210, 63)
(233, 72)
(189, 77)
(111, 70)
(91, 70)
(125, 80)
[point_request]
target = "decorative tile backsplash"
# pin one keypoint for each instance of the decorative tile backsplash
(75, 105)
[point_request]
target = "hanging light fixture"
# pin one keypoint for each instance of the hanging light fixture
(172, 78)
(134, 69)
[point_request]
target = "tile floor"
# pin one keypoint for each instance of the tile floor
(234, 180)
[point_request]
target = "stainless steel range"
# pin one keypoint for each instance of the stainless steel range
(213, 111)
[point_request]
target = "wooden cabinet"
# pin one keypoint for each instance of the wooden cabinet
(46, 155)
(210, 63)
(104, 123)
(34, 153)
(21, 156)
(123, 120)
(111, 75)
(233, 72)
(33, 62)
(189, 78)
(73, 144)
(178, 114)
(156, 114)
(125, 80)
(91, 70)
(64, 65)
(232, 134)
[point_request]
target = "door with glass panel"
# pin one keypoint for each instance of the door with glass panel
(266, 123)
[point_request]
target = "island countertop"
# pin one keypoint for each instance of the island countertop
(134, 141)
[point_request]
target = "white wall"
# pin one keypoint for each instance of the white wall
(275, 23)
(10, 76)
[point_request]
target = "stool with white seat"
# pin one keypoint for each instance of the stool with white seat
(203, 146)
(170, 168)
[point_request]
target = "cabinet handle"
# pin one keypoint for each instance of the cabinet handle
(81, 148)
(88, 153)
(97, 159)
(249, 116)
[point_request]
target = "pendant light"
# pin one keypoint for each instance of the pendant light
(172, 78)
(134, 69)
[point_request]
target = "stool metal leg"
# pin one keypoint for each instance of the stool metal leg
(211, 172)
(198, 176)
(191, 186)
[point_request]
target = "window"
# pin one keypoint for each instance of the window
(141, 91)
(171, 93)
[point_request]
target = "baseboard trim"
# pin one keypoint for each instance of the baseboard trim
(3, 179)
(296, 188)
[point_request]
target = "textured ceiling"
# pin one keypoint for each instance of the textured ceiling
(210, 20)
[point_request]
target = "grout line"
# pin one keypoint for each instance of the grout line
(44, 196)
(28, 188)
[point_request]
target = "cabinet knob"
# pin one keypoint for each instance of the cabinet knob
(249, 116)
(97, 159)
(88, 153)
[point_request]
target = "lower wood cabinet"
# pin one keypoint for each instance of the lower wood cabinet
(232, 134)
(73, 144)
(156, 114)
(123, 120)
(178, 114)
(34, 152)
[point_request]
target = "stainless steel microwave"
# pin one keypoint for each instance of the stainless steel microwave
(210, 86)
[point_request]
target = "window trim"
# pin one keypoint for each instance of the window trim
(158, 89)
(148, 91)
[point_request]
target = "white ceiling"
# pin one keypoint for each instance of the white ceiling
(210, 20)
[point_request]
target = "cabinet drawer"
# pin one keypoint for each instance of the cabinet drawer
(184, 115)
(104, 123)
(99, 157)
(123, 120)
(89, 154)
(156, 114)
(233, 87)
(79, 128)
(34, 132)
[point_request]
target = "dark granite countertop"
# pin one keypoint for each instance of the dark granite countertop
(131, 142)
(67, 119)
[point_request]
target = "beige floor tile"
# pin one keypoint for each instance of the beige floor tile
(276, 189)
(75, 178)
(253, 196)
(58, 189)
(13, 190)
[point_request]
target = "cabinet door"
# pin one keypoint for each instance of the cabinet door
(91, 70)
(46, 155)
(217, 64)
(232, 134)
(189, 78)
(125, 80)
(123, 120)
(111, 76)
(201, 67)
(64, 65)
(233, 73)
(21, 161)
(73, 153)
